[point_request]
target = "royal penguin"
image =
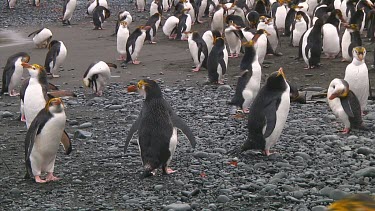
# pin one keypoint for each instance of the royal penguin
(261, 44)
(261, 7)
(154, 23)
(12, 73)
(140, 5)
(253, 19)
(166, 5)
(350, 39)
(330, 32)
(184, 25)
(43, 140)
(198, 50)
(170, 27)
(94, 3)
(191, 10)
(55, 57)
(344, 104)
(300, 26)
(217, 61)
(371, 26)
(97, 76)
(248, 84)
(320, 12)
(289, 19)
(236, 20)
(41, 37)
(157, 126)
(122, 39)
(358, 18)
(248, 33)
(209, 38)
(35, 3)
(233, 39)
(312, 5)
(135, 43)
(273, 36)
(278, 13)
(11, 3)
(311, 45)
(217, 22)
(123, 16)
(68, 9)
(356, 74)
(99, 15)
(202, 6)
(268, 113)
(156, 7)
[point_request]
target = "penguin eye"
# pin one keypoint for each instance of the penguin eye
(333, 86)
(33, 68)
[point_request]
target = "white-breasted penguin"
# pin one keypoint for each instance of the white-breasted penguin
(191, 10)
(157, 127)
(94, 3)
(140, 5)
(135, 43)
(11, 3)
(184, 25)
(55, 57)
(202, 6)
(330, 32)
(209, 38)
(122, 39)
(68, 9)
(43, 140)
(99, 15)
(344, 104)
(97, 76)
(156, 7)
(217, 61)
(123, 16)
(273, 36)
(217, 22)
(350, 39)
(261, 44)
(154, 23)
(356, 74)
(311, 45)
(170, 27)
(278, 13)
(268, 113)
(41, 37)
(198, 50)
(300, 26)
(12, 73)
(167, 4)
(233, 39)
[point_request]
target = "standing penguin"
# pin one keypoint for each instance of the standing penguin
(279, 11)
(184, 25)
(55, 57)
(268, 113)
(233, 39)
(154, 23)
(300, 26)
(253, 18)
(135, 43)
(356, 74)
(261, 44)
(13, 71)
(198, 50)
(350, 39)
(217, 61)
(311, 46)
(273, 36)
(94, 3)
(41, 37)
(344, 104)
(99, 15)
(97, 76)
(43, 139)
(330, 32)
(122, 39)
(202, 6)
(170, 27)
(140, 5)
(156, 7)
(68, 9)
(209, 38)
(157, 126)
(217, 22)
(123, 16)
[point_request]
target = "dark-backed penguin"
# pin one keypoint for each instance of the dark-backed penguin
(170, 27)
(97, 76)
(217, 61)
(261, 7)
(94, 3)
(123, 16)
(330, 32)
(198, 50)
(248, 33)
(233, 38)
(191, 7)
(300, 26)
(202, 6)
(184, 25)
(157, 126)
(344, 104)
(261, 44)
(268, 113)
(55, 57)
(135, 43)
(350, 39)
(140, 5)
(12, 73)
(68, 9)
(217, 22)
(289, 19)
(154, 23)
(320, 12)
(356, 74)
(99, 15)
(43, 140)
(41, 37)
(371, 25)
(237, 20)
(358, 18)
(253, 19)
(167, 4)
(248, 84)
(311, 45)
(209, 38)
(122, 39)
(156, 7)
(278, 13)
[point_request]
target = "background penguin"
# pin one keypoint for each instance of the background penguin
(261, 7)
(311, 45)
(371, 25)
(140, 5)
(261, 44)
(91, 7)
(12, 3)
(209, 38)
(268, 113)
(358, 18)
(202, 6)
(233, 40)
(135, 43)
(43, 139)
(350, 39)
(166, 5)
(289, 19)
(344, 104)
(41, 37)
(68, 9)
(300, 26)
(237, 20)
(273, 36)
(122, 39)
(154, 23)
(190, 5)
(12, 73)
(248, 84)
(184, 25)
(248, 33)
(55, 57)
(253, 19)
(278, 13)
(123, 16)
(157, 126)
(99, 15)
(198, 50)
(156, 7)
(356, 74)
(170, 27)
(217, 22)
(217, 61)
(97, 76)
(330, 32)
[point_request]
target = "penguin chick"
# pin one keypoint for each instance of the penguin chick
(357, 202)
(268, 113)
(12, 74)
(41, 37)
(99, 15)
(157, 126)
(43, 140)
(97, 76)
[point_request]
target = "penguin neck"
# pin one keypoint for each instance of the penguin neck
(357, 62)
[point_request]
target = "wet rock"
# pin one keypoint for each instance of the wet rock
(222, 199)
(366, 172)
(81, 134)
(178, 207)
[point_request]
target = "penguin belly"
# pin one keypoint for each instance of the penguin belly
(208, 39)
(194, 53)
(188, 5)
(281, 116)
(339, 111)
(234, 43)
(252, 87)
(141, 5)
(46, 145)
(218, 21)
(122, 38)
(172, 145)
(306, 52)
(60, 58)
(188, 27)
(343, 9)
(34, 101)
(331, 40)
(247, 35)
(166, 6)
(312, 6)
(70, 7)
(337, 4)
(169, 25)
(280, 17)
(272, 38)
(201, 10)
(41, 39)
(153, 8)
(357, 77)
(345, 43)
(138, 46)
(299, 29)
(15, 80)
(261, 48)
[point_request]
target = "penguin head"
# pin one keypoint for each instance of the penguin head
(124, 24)
(250, 43)
(277, 80)
(52, 43)
(144, 28)
(262, 18)
(149, 89)
(233, 26)
(269, 21)
(185, 11)
(351, 27)
(259, 33)
(358, 202)
(219, 41)
(54, 105)
(339, 15)
(359, 53)
(338, 88)
(298, 18)
(34, 70)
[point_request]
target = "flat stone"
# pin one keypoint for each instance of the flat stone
(178, 207)
(6, 114)
(303, 155)
(81, 134)
(337, 194)
(85, 125)
(366, 172)
(115, 107)
(200, 154)
(158, 187)
(365, 151)
(222, 199)
(224, 88)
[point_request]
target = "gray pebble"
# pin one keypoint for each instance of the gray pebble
(178, 207)
(222, 199)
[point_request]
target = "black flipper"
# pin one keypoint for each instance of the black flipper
(66, 142)
(270, 112)
(35, 32)
(180, 124)
(351, 106)
(133, 129)
(346, 106)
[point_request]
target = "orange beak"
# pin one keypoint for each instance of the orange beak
(26, 65)
(333, 96)
(360, 57)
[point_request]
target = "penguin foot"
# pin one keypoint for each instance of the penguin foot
(345, 131)
(39, 180)
(235, 55)
(136, 62)
(246, 111)
(167, 170)
(230, 55)
(23, 119)
(13, 93)
(121, 58)
(195, 69)
(50, 177)
(221, 82)
(267, 152)
(99, 93)
(153, 42)
(55, 76)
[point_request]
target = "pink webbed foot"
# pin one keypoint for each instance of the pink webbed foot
(13, 93)
(99, 93)
(50, 177)
(23, 119)
(230, 55)
(267, 152)
(170, 171)
(246, 110)
(136, 62)
(121, 58)
(235, 55)
(196, 69)
(153, 42)
(345, 131)
(39, 180)
(221, 82)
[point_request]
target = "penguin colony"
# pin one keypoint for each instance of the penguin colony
(246, 29)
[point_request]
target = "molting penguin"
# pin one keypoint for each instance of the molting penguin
(233, 39)
(299, 28)
(13, 71)
(330, 32)
(356, 74)
(170, 27)
(344, 104)
(68, 9)
(135, 43)
(217, 61)
(268, 113)
(154, 23)
(311, 45)
(97, 76)
(198, 50)
(157, 126)
(122, 39)
(94, 3)
(43, 139)
(41, 37)
(99, 15)
(55, 57)
(350, 39)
